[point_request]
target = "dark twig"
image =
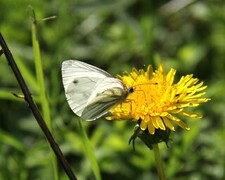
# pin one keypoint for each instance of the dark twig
(35, 111)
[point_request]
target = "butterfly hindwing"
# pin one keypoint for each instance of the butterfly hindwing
(108, 93)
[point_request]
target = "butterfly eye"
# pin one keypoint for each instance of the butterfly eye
(130, 90)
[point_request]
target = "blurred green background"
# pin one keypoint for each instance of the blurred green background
(117, 35)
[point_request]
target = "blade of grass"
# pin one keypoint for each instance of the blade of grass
(89, 151)
(4, 94)
(42, 89)
(40, 77)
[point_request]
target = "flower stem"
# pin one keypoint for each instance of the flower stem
(159, 163)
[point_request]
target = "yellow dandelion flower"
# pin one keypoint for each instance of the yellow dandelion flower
(156, 102)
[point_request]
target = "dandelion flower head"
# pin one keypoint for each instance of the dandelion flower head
(156, 102)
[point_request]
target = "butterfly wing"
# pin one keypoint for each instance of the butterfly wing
(79, 80)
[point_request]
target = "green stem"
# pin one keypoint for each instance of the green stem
(158, 161)
(28, 98)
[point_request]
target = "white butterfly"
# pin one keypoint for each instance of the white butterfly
(91, 92)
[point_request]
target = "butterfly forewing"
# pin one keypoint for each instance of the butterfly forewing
(73, 70)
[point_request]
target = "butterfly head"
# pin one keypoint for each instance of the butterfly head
(130, 90)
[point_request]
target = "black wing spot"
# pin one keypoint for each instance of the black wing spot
(75, 81)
